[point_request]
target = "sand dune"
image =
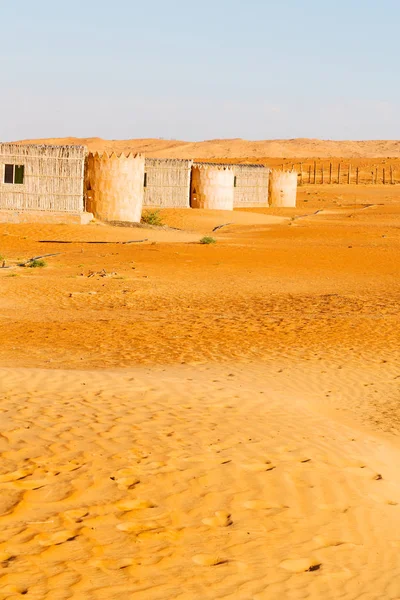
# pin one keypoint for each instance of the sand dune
(238, 148)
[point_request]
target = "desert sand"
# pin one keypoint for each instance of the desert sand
(237, 148)
(181, 421)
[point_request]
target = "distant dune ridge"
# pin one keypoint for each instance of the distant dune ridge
(238, 148)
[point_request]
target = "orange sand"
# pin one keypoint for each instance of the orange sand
(238, 148)
(205, 421)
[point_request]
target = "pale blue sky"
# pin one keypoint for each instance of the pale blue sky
(255, 69)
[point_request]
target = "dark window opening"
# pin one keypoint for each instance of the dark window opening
(19, 173)
(234, 181)
(14, 174)
(9, 174)
(145, 180)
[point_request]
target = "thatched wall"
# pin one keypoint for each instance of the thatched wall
(114, 187)
(283, 188)
(212, 187)
(167, 183)
(53, 177)
(251, 185)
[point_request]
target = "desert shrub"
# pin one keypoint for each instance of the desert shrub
(36, 264)
(152, 217)
(208, 240)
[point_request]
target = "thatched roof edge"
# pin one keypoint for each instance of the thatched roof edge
(231, 165)
(172, 161)
(12, 148)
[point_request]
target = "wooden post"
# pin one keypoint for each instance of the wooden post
(349, 175)
(309, 174)
(372, 173)
(338, 173)
(330, 172)
(376, 175)
(357, 176)
(391, 175)
(383, 176)
(315, 172)
(301, 173)
(322, 173)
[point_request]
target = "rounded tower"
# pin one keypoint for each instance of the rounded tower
(114, 187)
(282, 188)
(212, 187)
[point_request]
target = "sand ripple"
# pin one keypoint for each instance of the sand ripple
(188, 483)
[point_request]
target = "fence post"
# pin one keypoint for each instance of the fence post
(349, 175)
(322, 173)
(383, 176)
(330, 172)
(301, 173)
(315, 172)
(357, 175)
(391, 174)
(338, 173)
(309, 174)
(376, 175)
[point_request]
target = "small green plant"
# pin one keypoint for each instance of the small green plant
(12, 275)
(37, 264)
(208, 240)
(152, 217)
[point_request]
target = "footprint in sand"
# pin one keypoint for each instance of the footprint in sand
(221, 519)
(138, 526)
(126, 479)
(31, 484)
(300, 565)
(107, 565)
(209, 560)
(53, 539)
(325, 542)
(42, 492)
(16, 475)
(136, 504)
(15, 590)
(9, 499)
(76, 515)
(6, 559)
(127, 483)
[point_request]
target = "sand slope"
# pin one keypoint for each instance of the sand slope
(141, 484)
